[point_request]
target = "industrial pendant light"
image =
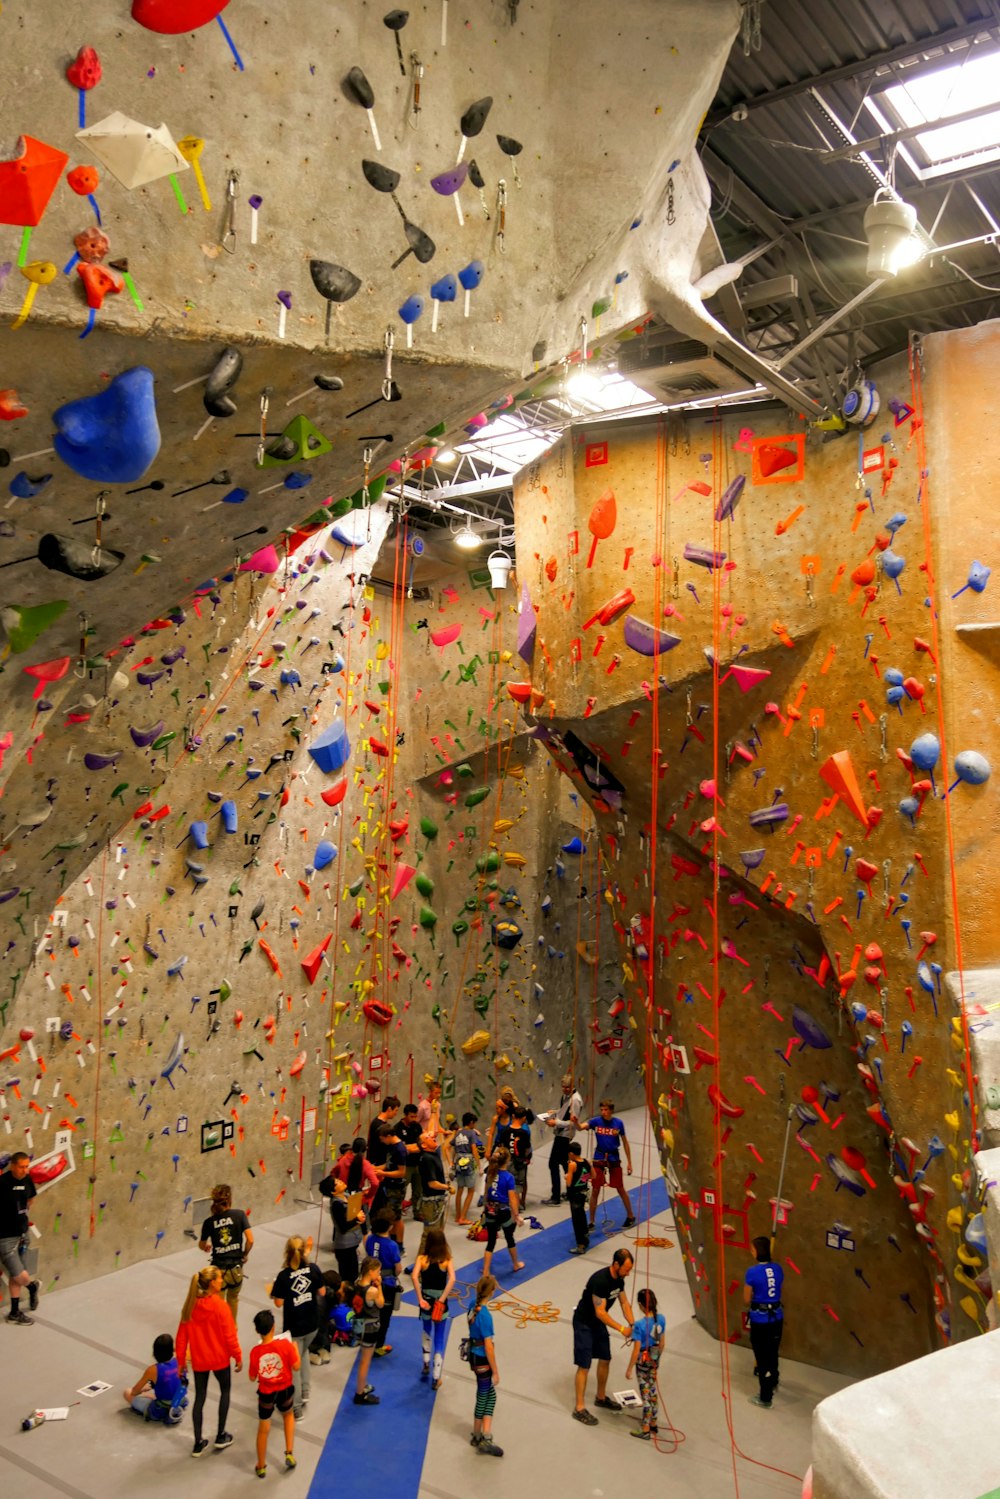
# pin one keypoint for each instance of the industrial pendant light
(889, 226)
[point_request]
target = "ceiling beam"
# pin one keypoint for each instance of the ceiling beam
(904, 52)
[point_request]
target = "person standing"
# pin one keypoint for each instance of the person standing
(520, 1150)
(382, 1246)
(609, 1137)
(348, 1228)
(762, 1294)
(434, 1188)
(393, 1161)
(207, 1334)
(647, 1345)
(592, 1320)
(502, 1121)
(298, 1289)
(433, 1278)
(357, 1172)
(385, 1115)
(16, 1192)
(560, 1120)
(409, 1134)
(429, 1111)
(467, 1149)
(227, 1238)
(272, 1365)
(483, 1359)
(578, 1174)
(501, 1209)
(367, 1304)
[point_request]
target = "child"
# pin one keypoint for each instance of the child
(272, 1364)
(368, 1302)
(520, 1151)
(155, 1393)
(647, 1345)
(578, 1173)
(467, 1152)
(433, 1278)
(319, 1348)
(381, 1245)
(482, 1357)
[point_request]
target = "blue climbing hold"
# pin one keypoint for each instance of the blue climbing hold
(228, 814)
(574, 846)
(297, 479)
(24, 488)
(112, 437)
(332, 750)
(198, 833)
(324, 855)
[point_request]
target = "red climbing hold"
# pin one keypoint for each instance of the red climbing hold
(85, 69)
(171, 17)
(311, 963)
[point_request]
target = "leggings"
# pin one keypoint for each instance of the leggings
(224, 1378)
(486, 1395)
(432, 1337)
(646, 1375)
(493, 1227)
(385, 1317)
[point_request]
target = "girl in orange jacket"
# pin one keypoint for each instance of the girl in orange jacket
(207, 1334)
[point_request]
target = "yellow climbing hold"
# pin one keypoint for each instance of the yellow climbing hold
(478, 1041)
(515, 860)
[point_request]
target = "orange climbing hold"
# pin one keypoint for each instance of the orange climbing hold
(269, 954)
(310, 963)
(839, 774)
(602, 521)
(335, 794)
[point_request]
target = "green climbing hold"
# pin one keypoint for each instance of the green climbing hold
(428, 918)
(475, 797)
(459, 928)
(463, 770)
(428, 828)
(488, 862)
(165, 739)
(24, 623)
(481, 1004)
(600, 307)
(357, 887)
(425, 885)
(436, 1014)
(340, 507)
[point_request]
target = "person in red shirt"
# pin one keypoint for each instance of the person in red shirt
(272, 1364)
(207, 1333)
(357, 1172)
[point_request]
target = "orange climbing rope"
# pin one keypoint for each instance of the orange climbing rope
(100, 1043)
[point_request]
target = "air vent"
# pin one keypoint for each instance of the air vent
(673, 371)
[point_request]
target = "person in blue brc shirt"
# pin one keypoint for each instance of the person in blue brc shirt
(762, 1294)
(157, 1393)
(609, 1138)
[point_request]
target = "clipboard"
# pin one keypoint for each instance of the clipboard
(355, 1202)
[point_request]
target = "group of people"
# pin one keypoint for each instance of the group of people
(367, 1188)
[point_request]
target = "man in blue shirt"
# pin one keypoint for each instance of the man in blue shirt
(762, 1294)
(609, 1135)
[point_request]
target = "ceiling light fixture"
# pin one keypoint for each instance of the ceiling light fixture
(892, 244)
(448, 456)
(466, 538)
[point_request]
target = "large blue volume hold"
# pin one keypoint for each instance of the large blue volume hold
(113, 437)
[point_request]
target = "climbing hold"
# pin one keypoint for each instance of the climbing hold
(646, 639)
(324, 855)
(224, 375)
(477, 1042)
(265, 560)
(839, 774)
(332, 749)
(23, 623)
(311, 964)
(771, 458)
(111, 437)
(48, 671)
(84, 180)
(84, 72)
(334, 795)
(27, 181)
(135, 153)
(98, 283)
(171, 17)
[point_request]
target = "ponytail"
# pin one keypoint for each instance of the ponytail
(201, 1285)
(485, 1287)
(498, 1160)
(356, 1170)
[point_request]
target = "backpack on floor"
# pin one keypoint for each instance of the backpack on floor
(477, 1233)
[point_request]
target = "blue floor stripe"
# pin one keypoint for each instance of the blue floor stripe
(394, 1432)
(356, 1430)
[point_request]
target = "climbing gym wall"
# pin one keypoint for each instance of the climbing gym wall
(739, 661)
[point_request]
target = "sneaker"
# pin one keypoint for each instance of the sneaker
(425, 1375)
(315, 1358)
(475, 1439)
(551, 1202)
(580, 1249)
(490, 1448)
(368, 1398)
(199, 1447)
(325, 1355)
(765, 1405)
(381, 1352)
(435, 1384)
(289, 1460)
(585, 1417)
(261, 1472)
(223, 1440)
(644, 1436)
(33, 1296)
(629, 1223)
(298, 1414)
(607, 1402)
(20, 1319)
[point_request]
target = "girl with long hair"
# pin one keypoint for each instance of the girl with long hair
(501, 1208)
(298, 1289)
(433, 1278)
(482, 1357)
(207, 1335)
(647, 1345)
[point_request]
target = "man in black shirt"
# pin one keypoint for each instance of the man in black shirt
(392, 1175)
(434, 1187)
(591, 1321)
(387, 1113)
(409, 1134)
(226, 1236)
(16, 1191)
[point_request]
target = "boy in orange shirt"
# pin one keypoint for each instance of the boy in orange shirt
(272, 1363)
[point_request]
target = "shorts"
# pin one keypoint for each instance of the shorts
(614, 1175)
(466, 1179)
(590, 1343)
(269, 1400)
(10, 1257)
(366, 1333)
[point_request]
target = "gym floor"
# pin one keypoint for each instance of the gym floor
(415, 1444)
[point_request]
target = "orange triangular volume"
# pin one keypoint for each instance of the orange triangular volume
(748, 676)
(838, 773)
(771, 459)
(401, 877)
(310, 964)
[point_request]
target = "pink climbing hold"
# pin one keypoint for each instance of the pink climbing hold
(47, 671)
(447, 636)
(401, 877)
(265, 560)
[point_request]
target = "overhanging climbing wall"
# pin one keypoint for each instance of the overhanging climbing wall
(738, 644)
